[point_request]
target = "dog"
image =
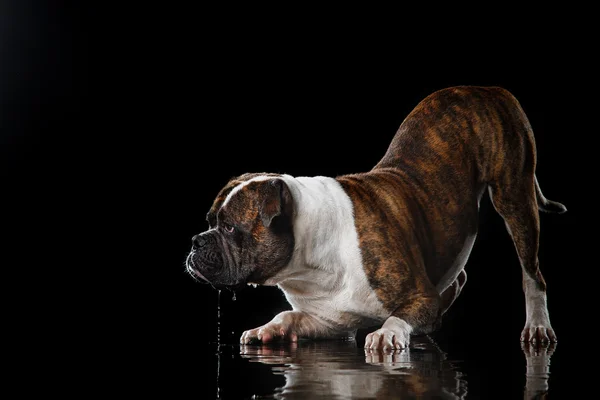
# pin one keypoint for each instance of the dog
(385, 247)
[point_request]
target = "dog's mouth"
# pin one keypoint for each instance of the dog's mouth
(193, 271)
(197, 275)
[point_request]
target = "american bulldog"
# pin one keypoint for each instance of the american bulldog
(387, 246)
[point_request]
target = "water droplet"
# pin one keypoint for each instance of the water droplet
(219, 321)
(233, 298)
(218, 374)
(218, 343)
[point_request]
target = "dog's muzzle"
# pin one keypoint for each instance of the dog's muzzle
(205, 261)
(189, 265)
(206, 247)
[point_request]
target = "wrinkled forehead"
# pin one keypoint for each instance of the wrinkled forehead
(241, 196)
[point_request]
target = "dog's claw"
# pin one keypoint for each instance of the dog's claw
(538, 335)
(386, 339)
(268, 333)
(394, 334)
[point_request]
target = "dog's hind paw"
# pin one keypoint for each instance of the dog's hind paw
(538, 334)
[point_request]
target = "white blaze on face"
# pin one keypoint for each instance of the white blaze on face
(241, 185)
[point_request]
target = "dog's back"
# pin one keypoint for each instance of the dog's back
(462, 135)
(454, 144)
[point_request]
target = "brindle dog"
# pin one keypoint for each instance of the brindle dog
(388, 245)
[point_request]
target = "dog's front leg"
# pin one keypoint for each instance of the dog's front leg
(287, 326)
(417, 315)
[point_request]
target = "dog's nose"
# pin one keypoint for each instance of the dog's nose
(197, 242)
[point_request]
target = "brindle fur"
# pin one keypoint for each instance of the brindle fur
(211, 216)
(418, 206)
(415, 214)
(255, 241)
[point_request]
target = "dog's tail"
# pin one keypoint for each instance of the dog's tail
(546, 205)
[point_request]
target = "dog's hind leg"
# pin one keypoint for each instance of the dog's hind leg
(514, 197)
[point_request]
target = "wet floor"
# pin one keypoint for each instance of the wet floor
(198, 355)
(343, 370)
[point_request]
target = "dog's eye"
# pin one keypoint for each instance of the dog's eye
(228, 228)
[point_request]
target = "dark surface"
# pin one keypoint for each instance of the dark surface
(337, 369)
(119, 126)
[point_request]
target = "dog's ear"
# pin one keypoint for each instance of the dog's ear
(277, 201)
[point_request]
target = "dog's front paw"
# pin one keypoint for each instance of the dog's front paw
(394, 334)
(268, 333)
(387, 339)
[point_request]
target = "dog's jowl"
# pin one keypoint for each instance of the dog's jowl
(387, 246)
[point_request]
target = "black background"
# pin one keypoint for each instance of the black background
(119, 126)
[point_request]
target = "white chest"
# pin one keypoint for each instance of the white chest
(346, 302)
(325, 277)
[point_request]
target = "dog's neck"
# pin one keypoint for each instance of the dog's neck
(324, 233)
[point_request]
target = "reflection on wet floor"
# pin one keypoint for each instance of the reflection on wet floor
(538, 369)
(335, 369)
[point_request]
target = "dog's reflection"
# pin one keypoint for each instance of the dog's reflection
(340, 369)
(537, 370)
(332, 369)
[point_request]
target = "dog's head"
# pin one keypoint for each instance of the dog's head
(250, 236)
